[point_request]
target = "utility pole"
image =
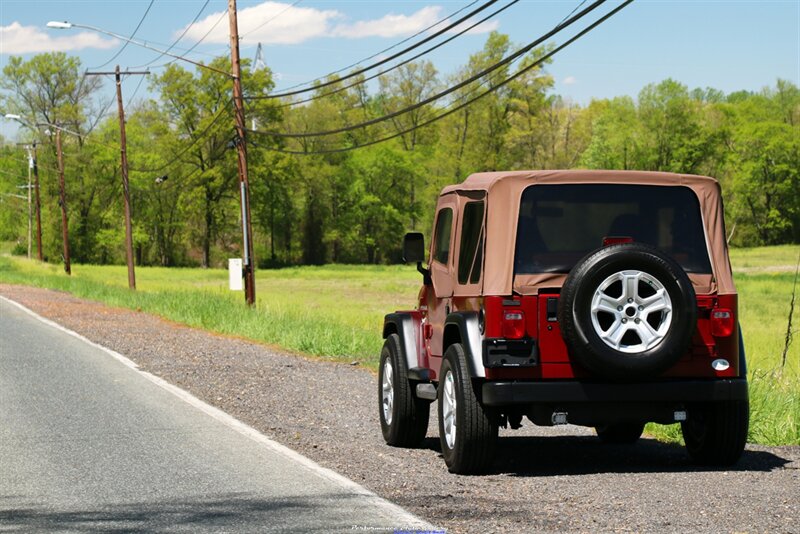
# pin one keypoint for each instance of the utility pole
(244, 184)
(33, 166)
(38, 202)
(63, 202)
(123, 143)
(30, 210)
(29, 187)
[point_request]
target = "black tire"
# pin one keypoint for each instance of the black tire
(408, 415)
(716, 432)
(675, 329)
(475, 435)
(620, 433)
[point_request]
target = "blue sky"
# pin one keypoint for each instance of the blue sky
(729, 45)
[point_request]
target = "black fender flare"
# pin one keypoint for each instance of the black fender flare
(464, 327)
(407, 327)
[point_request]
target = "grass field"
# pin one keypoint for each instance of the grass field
(335, 312)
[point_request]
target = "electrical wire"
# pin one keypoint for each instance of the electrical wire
(572, 12)
(271, 19)
(176, 41)
(181, 182)
(124, 46)
(376, 54)
(138, 85)
(15, 175)
(196, 140)
(464, 104)
(102, 114)
(38, 165)
(398, 65)
(447, 28)
(195, 45)
(520, 52)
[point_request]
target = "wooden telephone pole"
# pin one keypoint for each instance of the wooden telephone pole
(244, 184)
(63, 202)
(38, 202)
(124, 159)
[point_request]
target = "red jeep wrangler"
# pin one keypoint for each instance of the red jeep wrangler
(596, 298)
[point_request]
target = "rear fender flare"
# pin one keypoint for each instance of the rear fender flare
(464, 327)
(407, 326)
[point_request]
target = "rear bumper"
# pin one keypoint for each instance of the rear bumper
(509, 393)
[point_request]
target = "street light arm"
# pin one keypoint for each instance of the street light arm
(57, 127)
(68, 25)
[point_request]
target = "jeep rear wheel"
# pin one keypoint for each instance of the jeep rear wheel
(467, 434)
(404, 417)
(716, 432)
(627, 311)
(620, 433)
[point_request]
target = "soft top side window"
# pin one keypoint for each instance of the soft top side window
(441, 236)
(470, 256)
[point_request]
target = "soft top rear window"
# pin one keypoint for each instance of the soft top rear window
(559, 224)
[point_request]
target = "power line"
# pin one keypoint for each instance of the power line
(176, 41)
(196, 140)
(465, 104)
(174, 183)
(449, 27)
(392, 47)
(572, 12)
(409, 60)
(37, 164)
(146, 11)
(195, 45)
(272, 18)
(520, 52)
(138, 85)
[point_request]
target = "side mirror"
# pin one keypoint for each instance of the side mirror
(414, 252)
(413, 248)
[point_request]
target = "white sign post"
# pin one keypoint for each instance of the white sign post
(235, 278)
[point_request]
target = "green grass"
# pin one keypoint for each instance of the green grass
(335, 312)
(765, 258)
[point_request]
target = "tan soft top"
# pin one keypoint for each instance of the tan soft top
(504, 191)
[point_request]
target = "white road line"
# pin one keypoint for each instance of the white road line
(407, 519)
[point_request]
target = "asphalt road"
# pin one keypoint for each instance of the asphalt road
(88, 443)
(545, 479)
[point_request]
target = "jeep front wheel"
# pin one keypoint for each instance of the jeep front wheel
(716, 432)
(404, 417)
(466, 432)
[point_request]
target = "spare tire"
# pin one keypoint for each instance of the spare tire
(627, 311)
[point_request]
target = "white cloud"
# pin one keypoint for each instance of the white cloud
(484, 27)
(569, 80)
(287, 24)
(18, 39)
(390, 25)
(281, 23)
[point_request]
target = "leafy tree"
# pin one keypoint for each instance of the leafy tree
(200, 117)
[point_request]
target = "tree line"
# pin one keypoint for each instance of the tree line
(315, 201)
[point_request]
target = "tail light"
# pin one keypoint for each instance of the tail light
(513, 324)
(721, 322)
